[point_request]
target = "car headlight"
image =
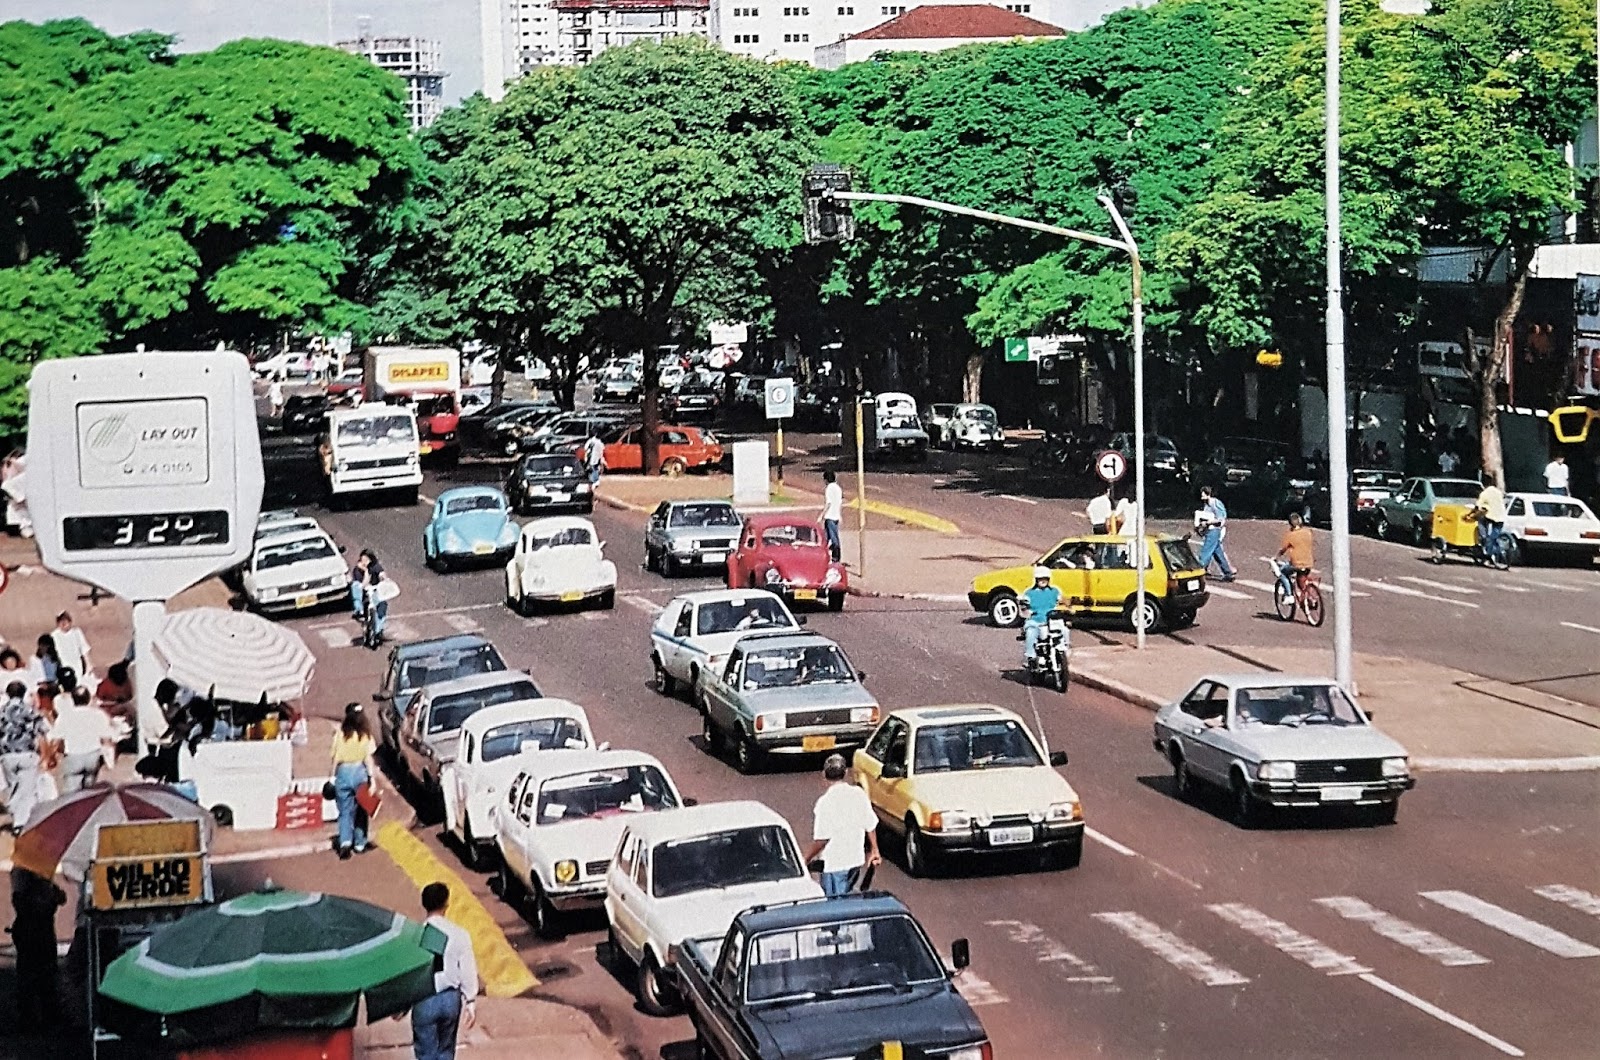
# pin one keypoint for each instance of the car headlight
(1396, 767)
(773, 577)
(832, 577)
(949, 821)
(1276, 771)
(770, 722)
(411, 459)
(584, 487)
(343, 465)
(338, 581)
(269, 594)
(864, 715)
(566, 871)
(1064, 811)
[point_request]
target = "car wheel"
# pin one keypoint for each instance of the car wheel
(657, 995)
(747, 755)
(1184, 619)
(508, 885)
(666, 684)
(1004, 611)
(1419, 532)
(547, 922)
(608, 600)
(673, 467)
(710, 734)
(1382, 528)
(651, 562)
(1062, 858)
(1514, 551)
(836, 602)
(668, 565)
(1384, 813)
(471, 853)
(919, 859)
(1149, 619)
(1183, 785)
(1247, 809)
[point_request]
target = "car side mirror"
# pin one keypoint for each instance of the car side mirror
(800, 620)
(343, 549)
(690, 800)
(1058, 758)
(861, 675)
(1369, 713)
(960, 954)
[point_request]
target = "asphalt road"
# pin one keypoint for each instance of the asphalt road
(1470, 928)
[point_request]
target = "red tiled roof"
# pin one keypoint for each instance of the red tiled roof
(630, 5)
(965, 21)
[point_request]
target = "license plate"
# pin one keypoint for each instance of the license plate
(805, 594)
(1192, 583)
(567, 598)
(713, 557)
(1009, 837)
(482, 550)
(1340, 794)
(308, 600)
(816, 743)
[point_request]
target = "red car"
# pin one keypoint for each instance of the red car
(788, 554)
(679, 449)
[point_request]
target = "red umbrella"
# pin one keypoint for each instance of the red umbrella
(60, 836)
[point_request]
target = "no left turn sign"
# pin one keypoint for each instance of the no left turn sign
(1110, 466)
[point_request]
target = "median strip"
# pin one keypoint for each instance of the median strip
(908, 516)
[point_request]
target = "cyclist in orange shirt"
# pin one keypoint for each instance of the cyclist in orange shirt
(1297, 555)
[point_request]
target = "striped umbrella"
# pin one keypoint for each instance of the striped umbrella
(60, 835)
(272, 959)
(237, 655)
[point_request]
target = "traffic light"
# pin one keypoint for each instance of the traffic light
(1572, 423)
(827, 220)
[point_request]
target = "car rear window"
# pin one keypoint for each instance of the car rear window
(1557, 510)
(449, 712)
(1178, 555)
(434, 669)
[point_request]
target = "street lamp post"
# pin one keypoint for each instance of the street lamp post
(1338, 456)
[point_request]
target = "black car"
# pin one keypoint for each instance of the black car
(474, 426)
(1248, 474)
(1307, 492)
(503, 435)
(565, 433)
(547, 481)
(692, 402)
(304, 413)
(1163, 464)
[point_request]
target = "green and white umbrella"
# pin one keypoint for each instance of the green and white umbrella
(272, 959)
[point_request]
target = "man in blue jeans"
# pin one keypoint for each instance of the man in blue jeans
(1212, 521)
(1037, 603)
(844, 830)
(437, 1019)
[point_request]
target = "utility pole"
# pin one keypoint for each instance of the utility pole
(861, 494)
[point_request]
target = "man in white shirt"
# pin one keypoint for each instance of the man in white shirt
(844, 830)
(594, 458)
(72, 647)
(1557, 475)
(436, 1020)
(87, 739)
(832, 511)
(1124, 516)
(1100, 512)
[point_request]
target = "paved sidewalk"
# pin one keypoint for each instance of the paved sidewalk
(520, 1028)
(1448, 719)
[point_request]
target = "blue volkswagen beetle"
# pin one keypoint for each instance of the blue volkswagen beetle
(469, 523)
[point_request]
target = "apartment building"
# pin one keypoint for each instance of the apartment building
(415, 60)
(585, 28)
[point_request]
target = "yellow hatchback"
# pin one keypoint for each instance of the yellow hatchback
(969, 780)
(1096, 576)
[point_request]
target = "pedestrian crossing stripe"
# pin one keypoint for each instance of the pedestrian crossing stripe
(1195, 962)
(1282, 937)
(1514, 924)
(1573, 897)
(1405, 933)
(978, 991)
(462, 623)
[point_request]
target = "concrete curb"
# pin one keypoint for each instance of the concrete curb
(1578, 764)
(938, 598)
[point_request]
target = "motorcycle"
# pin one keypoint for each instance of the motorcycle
(1051, 653)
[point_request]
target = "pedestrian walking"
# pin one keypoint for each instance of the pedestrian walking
(35, 900)
(1124, 518)
(45, 664)
(86, 741)
(832, 511)
(1557, 476)
(1100, 512)
(353, 768)
(844, 831)
(594, 458)
(72, 647)
(437, 1020)
(23, 732)
(1448, 461)
(1212, 521)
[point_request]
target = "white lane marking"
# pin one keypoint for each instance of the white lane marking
(1441, 1015)
(1515, 589)
(593, 616)
(1580, 625)
(445, 610)
(978, 991)
(1406, 590)
(1105, 840)
(1019, 500)
(1446, 586)
(1048, 951)
(796, 449)
(1227, 594)
(462, 623)
(1267, 587)
(400, 630)
(649, 607)
(1191, 960)
(1405, 933)
(424, 498)
(1281, 936)
(1575, 897)
(271, 853)
(1557, 586)
(1514, 924)
(334, 636)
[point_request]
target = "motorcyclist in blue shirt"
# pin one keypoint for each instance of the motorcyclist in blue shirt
(1037, 603)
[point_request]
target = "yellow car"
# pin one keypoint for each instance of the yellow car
(1096, 576)
(969, 780)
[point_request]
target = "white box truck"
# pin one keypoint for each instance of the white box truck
(427, 378)
(369, 448)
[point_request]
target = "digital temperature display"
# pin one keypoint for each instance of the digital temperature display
(154, 530)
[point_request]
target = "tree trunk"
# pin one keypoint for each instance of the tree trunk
(972, 377)
(649, 438)
(1493, 456)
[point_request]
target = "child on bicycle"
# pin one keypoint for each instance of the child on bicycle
(1297, 555)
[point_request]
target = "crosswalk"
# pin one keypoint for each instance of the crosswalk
(340, 633)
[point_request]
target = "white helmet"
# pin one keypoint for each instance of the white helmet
(1041, 572)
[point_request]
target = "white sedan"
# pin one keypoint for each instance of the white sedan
(686, 875)
(695, 632)
(560, 560)
(493, 748)
(558, 825)
(295, 571)
(1547, 523)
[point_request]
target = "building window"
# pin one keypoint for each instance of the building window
(1021, 9)
(847, 11)
(894, 9)
(796, 12)
(747, 38)
(796, 38)
(746, 12)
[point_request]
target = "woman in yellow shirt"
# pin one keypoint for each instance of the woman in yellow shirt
(353, 768)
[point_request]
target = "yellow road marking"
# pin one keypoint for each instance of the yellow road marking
(909, 516)
(502, 971)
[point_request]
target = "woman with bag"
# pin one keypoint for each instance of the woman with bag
(353, 770)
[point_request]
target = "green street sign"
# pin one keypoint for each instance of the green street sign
(1017, 350)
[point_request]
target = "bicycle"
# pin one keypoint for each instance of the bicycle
(1303, 591)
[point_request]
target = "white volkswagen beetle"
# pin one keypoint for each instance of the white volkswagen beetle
(695, 632)
(495, 745)
(559, 560)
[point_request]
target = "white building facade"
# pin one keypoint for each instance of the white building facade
(934, 28)
(415, 60)
(585, 28)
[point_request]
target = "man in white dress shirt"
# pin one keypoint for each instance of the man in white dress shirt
(436, 1020)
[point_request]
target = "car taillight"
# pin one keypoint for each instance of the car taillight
(1172, 587)
(1366, 502)
(1534, 531)
(1591, 535)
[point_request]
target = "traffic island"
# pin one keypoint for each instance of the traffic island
(1450, 720)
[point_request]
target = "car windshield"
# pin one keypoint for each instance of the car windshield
(974, 745)
(567, 535)
(542, 734)
(791, 534)
(477, 502)
(755, 612)
(983, 414)
(450, 711)
(434, 669)
(760, 854)
(704, 515)
(1295, 705)
(370, 431)
(1177, 555)
(287, 552)
(883, 953)
(604, 793)
(1455, 489)
(550, 466)
(293, 526)
(788, 667)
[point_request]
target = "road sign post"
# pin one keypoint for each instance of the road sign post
(780, 406)
(1110, 466)
(144, 479)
